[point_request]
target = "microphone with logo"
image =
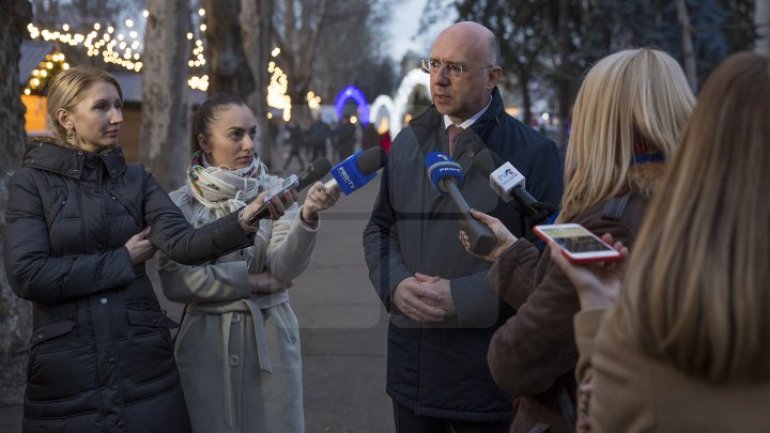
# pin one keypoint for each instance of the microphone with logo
(315, 171)
(510, 184)
(446, 175)
(356, 170)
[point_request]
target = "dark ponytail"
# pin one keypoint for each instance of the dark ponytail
(207, 113)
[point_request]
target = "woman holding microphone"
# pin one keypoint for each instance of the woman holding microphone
(628, 119)
(238, 348)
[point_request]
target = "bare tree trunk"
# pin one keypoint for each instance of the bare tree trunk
(527, 96)
(229, 71)
(256, 23)
(15, 313)
(564, 76)
(762, 23)
(304, 23)
(688, 52)
(165, 136)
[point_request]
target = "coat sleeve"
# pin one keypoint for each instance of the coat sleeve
(586, 327)
(536, 346)
(291, 245)
(512, 275)
(37, 276)
(173, 235)
(216, 282)
(614, 359)
(381, 248)
(476, 304)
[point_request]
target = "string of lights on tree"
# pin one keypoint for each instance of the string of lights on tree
(46, 69)
(124, 48)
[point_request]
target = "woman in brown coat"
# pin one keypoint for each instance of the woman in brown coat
(685, 347)
(628, 118)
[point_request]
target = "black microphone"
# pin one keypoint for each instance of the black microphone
(315, 171)
(445, 174)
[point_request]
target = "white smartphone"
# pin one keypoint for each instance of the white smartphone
(578, 244)
(291, 182)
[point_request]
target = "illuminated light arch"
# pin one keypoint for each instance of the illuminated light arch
(382, 103)
(354, 93)
(412, 80)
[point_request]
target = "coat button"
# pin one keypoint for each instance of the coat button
(103, 301)
(236, 317)
(112, 360)
(76, 171)
(234, 360)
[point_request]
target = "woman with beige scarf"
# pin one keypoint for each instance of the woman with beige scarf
(238, 348)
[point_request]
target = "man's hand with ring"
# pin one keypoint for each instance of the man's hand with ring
(416, 302)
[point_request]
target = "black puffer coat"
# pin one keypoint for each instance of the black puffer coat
(101, 358)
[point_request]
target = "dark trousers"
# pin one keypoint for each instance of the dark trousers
(407, 422)
(292, 155)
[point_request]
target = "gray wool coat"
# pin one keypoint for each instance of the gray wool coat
(238, 352)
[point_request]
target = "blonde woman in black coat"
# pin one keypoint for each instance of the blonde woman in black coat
(81, 223)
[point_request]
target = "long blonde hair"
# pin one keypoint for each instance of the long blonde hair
(699, 282)
(68, 88)
(629, 97)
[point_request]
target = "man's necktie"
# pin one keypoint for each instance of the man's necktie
(452, 132)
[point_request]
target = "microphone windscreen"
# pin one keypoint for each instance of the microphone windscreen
(315, 171)
(370, 160)
(357, 170)
(442, 168)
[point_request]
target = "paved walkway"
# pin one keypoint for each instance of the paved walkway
(343, 330)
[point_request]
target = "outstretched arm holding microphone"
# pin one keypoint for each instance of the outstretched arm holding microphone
(237, 307)
(614, 165)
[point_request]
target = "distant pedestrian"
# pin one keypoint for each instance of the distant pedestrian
(345, 137)
(370, 138)
(319, 134)
(296, 139)
(385, 140)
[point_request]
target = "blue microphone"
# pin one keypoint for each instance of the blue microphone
(356, 170)
(446, 175)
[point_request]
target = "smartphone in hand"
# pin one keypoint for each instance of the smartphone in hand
(578, 244)
(291, 182)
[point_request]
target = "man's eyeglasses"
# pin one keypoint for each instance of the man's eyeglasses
(430, 66)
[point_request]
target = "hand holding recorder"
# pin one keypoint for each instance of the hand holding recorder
(597, 283)
(267, 204)
(278, 200)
